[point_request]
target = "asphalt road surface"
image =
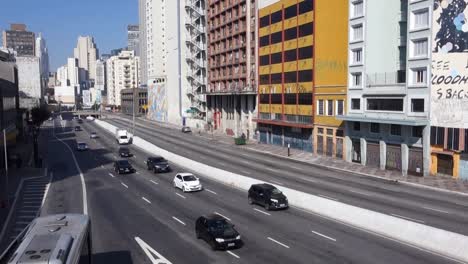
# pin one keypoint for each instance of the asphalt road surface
(136, 214)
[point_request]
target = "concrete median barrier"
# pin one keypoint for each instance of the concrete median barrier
(446, 243)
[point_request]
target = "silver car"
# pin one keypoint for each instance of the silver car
(93, 135)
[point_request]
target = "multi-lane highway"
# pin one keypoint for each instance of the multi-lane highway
(441, 210)
(142, 212)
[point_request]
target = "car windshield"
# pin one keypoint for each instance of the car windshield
(81, 144)
(190, 178)
(123, 137)
(93, 133)
(123, 163)
(124, 150)
(275, 191)
(218, 225)
(159, 160)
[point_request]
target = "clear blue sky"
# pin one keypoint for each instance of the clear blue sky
(62, 21)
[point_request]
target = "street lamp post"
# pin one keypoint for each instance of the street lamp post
(133, 113)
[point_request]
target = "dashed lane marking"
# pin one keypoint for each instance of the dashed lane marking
(180, 195)
(232, 254)
(277, 242)
(208, 190)
(260, 211)
(154, 182)
(322, 235)
(146, 200)
(178, 220)
(223, 216)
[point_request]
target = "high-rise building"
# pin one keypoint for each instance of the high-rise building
(142, 13)
(100, 82)
(73, 72)
(122, 73)
(43, 54)
(20, 40)
(62, 76)
(302, 74)
(174, 53)
(231, 89)
(387, 119)
(133, 39)
(87, 53)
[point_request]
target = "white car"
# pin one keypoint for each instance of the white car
(93, 135)
(187, 182)
(90, 118)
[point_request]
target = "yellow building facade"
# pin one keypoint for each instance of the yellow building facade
(291, 70)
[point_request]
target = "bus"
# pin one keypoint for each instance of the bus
(60, 239)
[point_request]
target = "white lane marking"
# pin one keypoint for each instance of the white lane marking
(83, 184)
(255, 209)
(408, 218)
(102, 166)
(277, 182)
(232, 254)
(112, 175)
(322, 235)
(153, 182)
(277, 242)
(124, 185)
(246, 172)
(146, 200)
(436, 210)
(328, 197)
(362, 193)
(178, 220)
(180, 195)
(137, 172)
(152, 254)
(308, 180)
(208, 190)
(222, 216)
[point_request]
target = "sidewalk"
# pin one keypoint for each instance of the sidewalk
(440, 183)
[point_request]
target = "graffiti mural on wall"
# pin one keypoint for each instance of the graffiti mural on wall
(157, 101)
(449, 103)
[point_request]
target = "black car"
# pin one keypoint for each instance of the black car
(186, 129)
(158, 164)
(124, 152)
(268, 196)
(217, 232)
(123, 166)
(77, 128)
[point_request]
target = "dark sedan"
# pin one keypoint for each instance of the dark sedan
(123, 166)
(217, 232)
(124, 152)
(158, 164)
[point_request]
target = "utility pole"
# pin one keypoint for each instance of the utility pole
(133, 113)
(6, 168)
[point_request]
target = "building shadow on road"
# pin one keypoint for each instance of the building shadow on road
(114, 257)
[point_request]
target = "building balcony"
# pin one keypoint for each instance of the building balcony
(386, 83)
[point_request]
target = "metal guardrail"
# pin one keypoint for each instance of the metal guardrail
(8, 252)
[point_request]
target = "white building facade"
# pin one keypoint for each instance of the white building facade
(122, 73)
(87, 53)
(29, 81)
(43, 54)
(173, 47)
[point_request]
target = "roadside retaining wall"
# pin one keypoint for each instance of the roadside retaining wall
(443, 242)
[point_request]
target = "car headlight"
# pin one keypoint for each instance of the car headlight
(274, 200)
(238, 237)
(219, 240)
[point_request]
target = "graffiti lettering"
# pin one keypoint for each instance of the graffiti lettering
(441, 65)
(441, 79)
(455, 94)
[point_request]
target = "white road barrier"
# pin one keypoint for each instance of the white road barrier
(434, 240)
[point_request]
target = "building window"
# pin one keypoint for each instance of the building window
(306, 29)
(375, 128)
(395, 130)
(276, 99)
(290, 12)
(417, 105)
(305, 76)
(290, 55)
(357, 32)
(290, 33)
(290, 99)
(306, 6)
(356, 126)
(339, 107)
(276, 17)
(320, 110)
(357, 56)
(329, 107)
(358, 8)
(417, 131)
(395, 105)
(419, 75)
(305, 98)
(306, 52)
(355, 104)
(420, 47)
(264, 98)
(356, 78)
(420, 19)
